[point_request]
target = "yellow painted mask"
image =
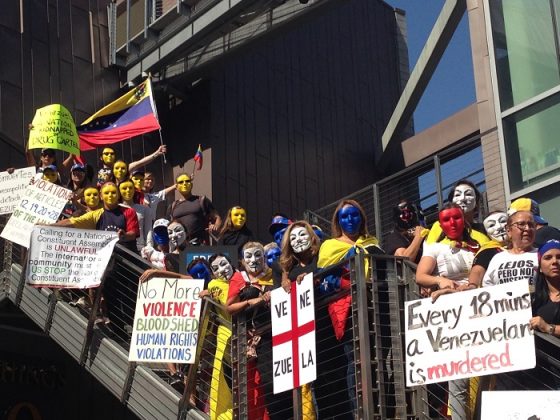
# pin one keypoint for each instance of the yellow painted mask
(120, 170)
(110, 195)
(108, 156)
(91, 198)
(50, 175)
(184, 184)
(126, 189)
(238, 217)
(138, 180)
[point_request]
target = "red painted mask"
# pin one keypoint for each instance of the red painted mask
(452, 223)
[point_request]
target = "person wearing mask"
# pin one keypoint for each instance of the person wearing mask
(235, 231)
(143, 213)
(196, 213)
(408, 234)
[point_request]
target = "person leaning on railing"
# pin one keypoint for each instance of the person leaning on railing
(546, 307)
(350, 237)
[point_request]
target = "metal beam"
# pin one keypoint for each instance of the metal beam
(442, 32)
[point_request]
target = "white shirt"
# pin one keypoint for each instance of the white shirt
(452, 263)
(506, 267)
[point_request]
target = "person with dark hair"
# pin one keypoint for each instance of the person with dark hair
(249, 292)
(152, 198)
(196, 213)
(349, 237)
(467, 197)
(235, 231)
(445, 265)
(408, 234)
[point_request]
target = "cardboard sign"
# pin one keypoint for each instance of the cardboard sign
(42, 202)
(472, 333)
(12, 187)
(294, 360)
(67, 257)
(166, 321)
(54, 128)
(526, 405)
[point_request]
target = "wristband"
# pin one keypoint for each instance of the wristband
(551, 329)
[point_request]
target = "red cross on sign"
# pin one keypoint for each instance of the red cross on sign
(293, 336)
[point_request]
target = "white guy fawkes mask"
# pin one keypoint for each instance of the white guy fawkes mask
(465, 197)
(177, 235)
(253, 260)
(222, 268)
(495, 226)
(300, 240)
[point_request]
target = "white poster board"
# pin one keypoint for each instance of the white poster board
(42, 202)
(472, 333)
(520, 405)
(294, 359)
(67, 257)
(166, 321)
(12, 187)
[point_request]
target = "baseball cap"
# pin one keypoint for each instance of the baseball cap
(527, 204)
(278, 222)
(47, 151)
(78, 167)
(159, 232)
(138, 171)
(50, 168)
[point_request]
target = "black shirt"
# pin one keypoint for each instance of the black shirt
(483, 257)
(397, 240)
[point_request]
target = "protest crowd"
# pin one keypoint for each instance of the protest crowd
(463, 251)
(456, 254)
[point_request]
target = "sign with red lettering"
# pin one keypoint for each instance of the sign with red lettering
(294, 361)
(467, 334)
(166, 321)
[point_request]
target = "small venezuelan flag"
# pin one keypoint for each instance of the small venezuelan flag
(130, 115)
(198, 158)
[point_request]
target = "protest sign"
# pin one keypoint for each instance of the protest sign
(471, 333)
(530, 405)
(67, 257)
(12, 187)
(42, 202)
(53, 127)
(166, 321)
(293, 336)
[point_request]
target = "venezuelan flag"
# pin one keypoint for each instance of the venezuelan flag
(198, 157)
(130, 115)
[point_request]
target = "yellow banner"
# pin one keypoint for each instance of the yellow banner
(53, 127)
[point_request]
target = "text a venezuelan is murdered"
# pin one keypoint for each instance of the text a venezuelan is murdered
(468, 334)
(166, 320)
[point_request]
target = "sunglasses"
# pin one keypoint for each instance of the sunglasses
(184, 182)
(48, 154)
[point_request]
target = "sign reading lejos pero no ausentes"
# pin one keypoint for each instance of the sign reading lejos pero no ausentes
(472, 333)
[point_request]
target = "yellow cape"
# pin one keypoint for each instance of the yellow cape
(436, 231)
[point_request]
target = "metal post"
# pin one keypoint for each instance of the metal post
(239, 366)
(377, 211)
(437, 174)
(297, 403)
(362, 357)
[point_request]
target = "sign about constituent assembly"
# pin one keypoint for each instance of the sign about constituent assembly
(41, 202)
(67, 257)
(12, 187)
(472, 333)
(166, 321)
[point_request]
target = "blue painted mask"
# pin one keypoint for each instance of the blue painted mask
(349, 219)
(272, 255)
(279, 235)
(200, 271)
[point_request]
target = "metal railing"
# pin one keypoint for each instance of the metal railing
(426, 183)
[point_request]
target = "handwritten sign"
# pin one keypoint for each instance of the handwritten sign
(67, 257)
(42, 202)
(293, 336)
(472, 333)
(12, 186)
(54, 128)
(166, 321)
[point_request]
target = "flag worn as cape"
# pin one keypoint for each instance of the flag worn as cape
(198, 158)
(130, 115)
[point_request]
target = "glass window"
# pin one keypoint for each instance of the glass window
(549, 203)
(526, 48)
(532, 146)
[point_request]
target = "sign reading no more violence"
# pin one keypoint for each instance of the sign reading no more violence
(293, 336)
(472, 333)
(166, 321)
